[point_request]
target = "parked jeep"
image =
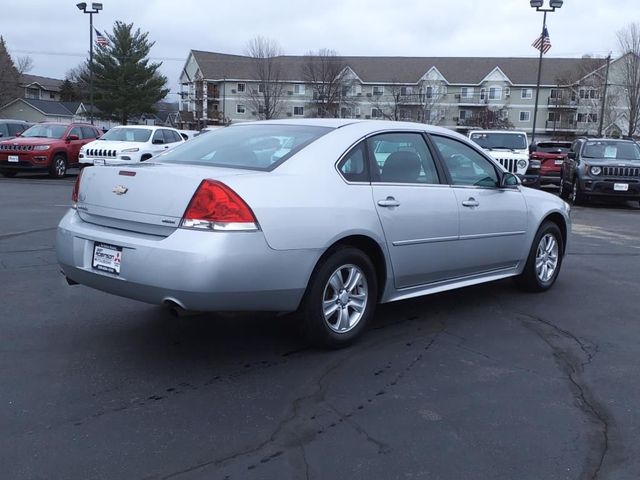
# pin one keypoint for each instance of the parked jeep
(48, 147)
(12, 128)
(601, 168)
(510, 149)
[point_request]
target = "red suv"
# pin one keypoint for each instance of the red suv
(49, 147)
(551, 156)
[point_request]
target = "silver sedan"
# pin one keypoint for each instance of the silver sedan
(324, 217)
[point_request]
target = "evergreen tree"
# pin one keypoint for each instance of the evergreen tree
(9, 76)
(68, 92)
(125, 83)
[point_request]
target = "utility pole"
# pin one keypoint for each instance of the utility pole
(604, 96)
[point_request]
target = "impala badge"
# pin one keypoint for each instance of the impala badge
(120, 190)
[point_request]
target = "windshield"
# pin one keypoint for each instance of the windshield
(255, 147)
(45, 131)
(553, 147)
(513, 141)
(119, 134)
(611, 150)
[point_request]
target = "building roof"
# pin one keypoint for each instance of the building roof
(50, 107)
(408, 70)
(47, 83)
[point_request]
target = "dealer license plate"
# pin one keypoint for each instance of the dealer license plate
(13, 158)
(621, 187)
(98, 161)
(107, 257)
(559, 162)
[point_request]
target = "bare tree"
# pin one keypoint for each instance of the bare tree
(432, 102)
(629, 44)
(266, 99)
(9, 76)
(489, 118)
(24, 64)
(327, 75)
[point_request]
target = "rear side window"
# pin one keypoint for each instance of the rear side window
(401, 158)
(354, 165)
(246, 146)
(4, 130)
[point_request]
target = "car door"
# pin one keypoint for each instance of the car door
(73, 149)
(493, 220)
(418, 213)
(157, 142)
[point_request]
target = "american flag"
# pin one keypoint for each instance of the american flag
(101, 39)
(543, 42)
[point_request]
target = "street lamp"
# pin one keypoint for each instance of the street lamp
(95, 8)
(539, 6)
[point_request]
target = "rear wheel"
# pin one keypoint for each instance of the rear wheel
(544, 260)
(340, 299)
(8, 173)
(58, 167)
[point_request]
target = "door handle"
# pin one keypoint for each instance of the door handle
(389, 202)
(472, 202)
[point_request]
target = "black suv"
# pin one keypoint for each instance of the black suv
(601, 167)
(12, 128)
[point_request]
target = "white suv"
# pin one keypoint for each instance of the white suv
(129, 143)
(510, 149)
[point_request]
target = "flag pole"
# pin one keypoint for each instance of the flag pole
(535, 107)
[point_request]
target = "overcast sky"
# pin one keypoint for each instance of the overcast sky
(55, 34)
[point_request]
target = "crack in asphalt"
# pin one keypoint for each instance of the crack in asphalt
(4, 236)
(573, 368)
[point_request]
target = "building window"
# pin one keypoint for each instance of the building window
(261, 88)
(406, 91)
(405, 114)
(483, 94)
(495, 93)
(298, 89)
(464, 114)
(346, 112)
(240, 109)
(241, 87)
(525, 116)
(466, 92)
(298, 111)
(526, 93)
(378, 90)
(587, 117)
(555, 93)
(588, 93)
(376, 113)
(33, 93)
(553, 117)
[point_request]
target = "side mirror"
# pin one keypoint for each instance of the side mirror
(509, 180)
(71, 138)
(571, 155)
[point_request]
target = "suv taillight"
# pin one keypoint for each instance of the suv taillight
(76, 189)
(215, 206)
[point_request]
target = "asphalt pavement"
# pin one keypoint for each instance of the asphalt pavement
(482, 383)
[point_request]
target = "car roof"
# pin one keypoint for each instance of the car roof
(152, 127)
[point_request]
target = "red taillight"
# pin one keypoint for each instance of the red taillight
(215, 206)
(76, 188)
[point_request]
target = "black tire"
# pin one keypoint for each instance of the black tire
(529, 279)
(564, 193)
(577, 195)
(8, 173)
(58, 168)
(319, 330)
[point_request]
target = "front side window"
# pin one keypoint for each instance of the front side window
(466, 166)
(158, 137)
(88, 132)
(75, 131)
(401, 158)
(246, 146)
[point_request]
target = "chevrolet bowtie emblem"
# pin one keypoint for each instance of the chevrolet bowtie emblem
(120, 190)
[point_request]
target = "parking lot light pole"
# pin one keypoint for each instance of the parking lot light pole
(95, 8)
(539, 6)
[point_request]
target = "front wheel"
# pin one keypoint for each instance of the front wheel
(577, 196)
(565, 194)
(340, 299)
(544, 260)
(58, 167)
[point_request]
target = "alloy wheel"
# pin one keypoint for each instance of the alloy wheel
(547, 257)
(345, 298)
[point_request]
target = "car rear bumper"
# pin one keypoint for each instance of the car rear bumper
(550, 178)
(202, 271)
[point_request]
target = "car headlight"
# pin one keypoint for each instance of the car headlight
(596, 170)
(41, 148)
(129, 150)
(522, 164)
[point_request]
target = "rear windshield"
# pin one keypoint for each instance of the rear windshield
(247, 146)
(611, 150)
(127, 135)
(511, 141)
(553, 147)
(45, 131)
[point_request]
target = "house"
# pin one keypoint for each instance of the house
(40, 88)
(33, 110)
(448, 91)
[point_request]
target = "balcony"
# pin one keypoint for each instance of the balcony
(561, 126)
(472, 101)
(564, 101)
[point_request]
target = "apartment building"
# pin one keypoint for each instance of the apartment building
(460, 93)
